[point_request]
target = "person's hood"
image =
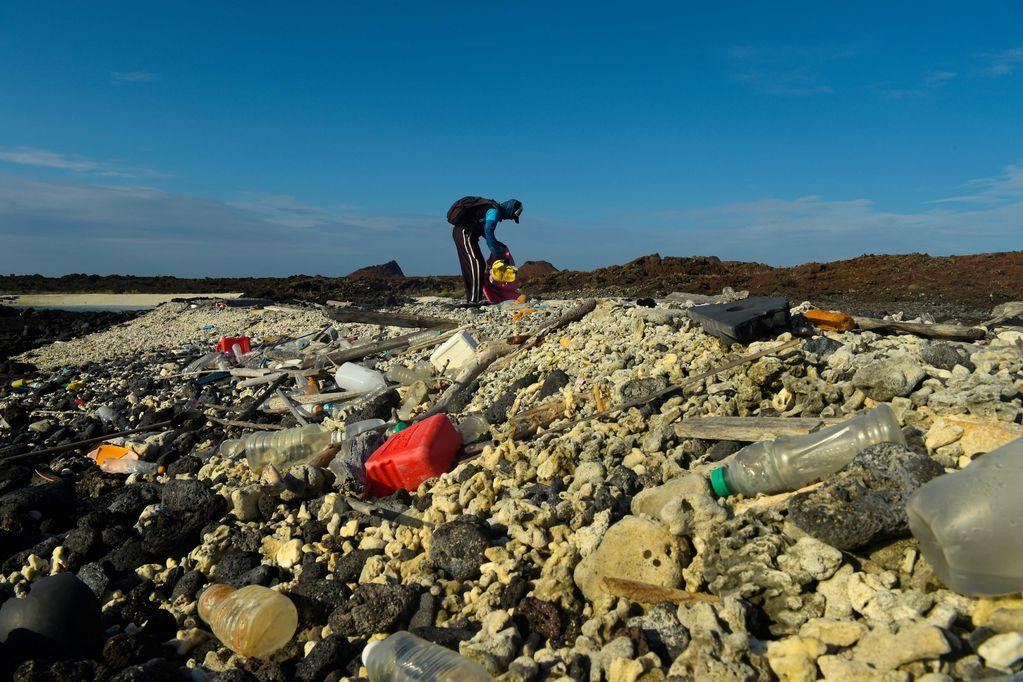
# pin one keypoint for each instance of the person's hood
(511, 209)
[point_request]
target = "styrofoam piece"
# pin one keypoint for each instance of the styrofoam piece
(454, 353)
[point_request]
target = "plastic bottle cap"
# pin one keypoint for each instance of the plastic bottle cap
(368, 649)
(718, 482)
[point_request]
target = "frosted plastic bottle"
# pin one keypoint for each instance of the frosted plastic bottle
(254, 621)
(403, 657)
(791, 462)
(413, 398)
(970, 524)
(406, 376)
(472, 427)
(286, 448)
(353, 377)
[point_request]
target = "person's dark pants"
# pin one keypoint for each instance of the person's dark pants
(470, 258)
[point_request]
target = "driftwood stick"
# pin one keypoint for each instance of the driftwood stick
(932, 331)
(275, 404)
(749, 429)
(361, 316)
(252, 426)
(365, 350)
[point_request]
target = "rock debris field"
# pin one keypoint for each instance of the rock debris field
(588, 551)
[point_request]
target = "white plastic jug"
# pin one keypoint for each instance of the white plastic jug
(353, 377)
(970, 523)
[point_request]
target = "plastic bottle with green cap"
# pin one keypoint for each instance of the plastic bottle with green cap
(791, 462)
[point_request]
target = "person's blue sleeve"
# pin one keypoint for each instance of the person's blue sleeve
(490, 222)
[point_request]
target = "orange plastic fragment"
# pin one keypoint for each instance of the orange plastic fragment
(107, 451)
(829, 321)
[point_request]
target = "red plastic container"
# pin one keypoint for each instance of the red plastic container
(423, 450)
(227, 343)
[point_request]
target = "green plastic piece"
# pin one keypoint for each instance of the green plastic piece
(718, 482)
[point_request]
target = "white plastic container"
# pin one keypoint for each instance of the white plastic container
(970, 524)
(791, 462)
(403, 657)
(451, 355)
(353, 377)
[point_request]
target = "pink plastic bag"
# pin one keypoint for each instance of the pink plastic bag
(496, 292)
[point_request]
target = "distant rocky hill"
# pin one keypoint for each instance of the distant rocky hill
(535, 268)
(389, 270)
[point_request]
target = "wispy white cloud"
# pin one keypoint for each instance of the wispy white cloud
(133, 76)
(59, 227)
(30, 156)
(793, 70)
(1002, 63)
(935, 80)
(789, 231)
(1007, 187)
(45, 158)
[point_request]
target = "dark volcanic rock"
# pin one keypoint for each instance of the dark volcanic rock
(946, 356)
(457, 547)
(722, 449)
(866, 500)
(375, 607)
(329, 654)
(233, 565)
(186, 495)
(541, 617)
(315, 599)
(821, 346)
(349, 567)
(60, 618)
(554, 382)
(449, 637)
(188, 585)
(376, 407)
(498, 410)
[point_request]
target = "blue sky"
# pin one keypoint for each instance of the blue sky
(271, 139)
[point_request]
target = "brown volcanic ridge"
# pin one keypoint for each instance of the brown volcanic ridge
(963, 287)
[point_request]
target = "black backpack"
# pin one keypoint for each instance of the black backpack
(468, 211)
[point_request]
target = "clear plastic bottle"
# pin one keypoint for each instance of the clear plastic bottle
(130, 465)
(403, 657)
(355, 428)
(407, 376)
(970, 524)
(286, 448)
(791, 462)
(254, 621)
(414, 397)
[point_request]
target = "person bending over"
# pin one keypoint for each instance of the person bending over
(472, 218)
